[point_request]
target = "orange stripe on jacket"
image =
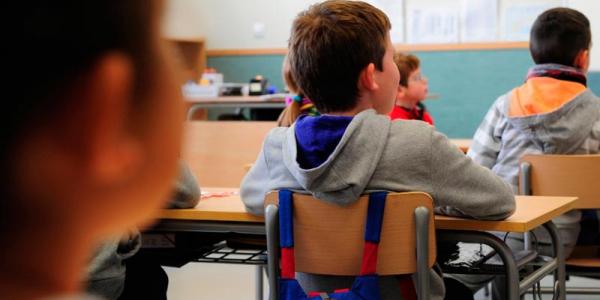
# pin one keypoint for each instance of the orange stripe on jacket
(542, 95)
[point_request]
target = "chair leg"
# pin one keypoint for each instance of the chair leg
(272, 229)
(259, 282)
(422, 236)
(560, 272)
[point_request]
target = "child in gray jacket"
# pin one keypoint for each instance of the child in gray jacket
(107, 270)
(553, 112)
(341, 57)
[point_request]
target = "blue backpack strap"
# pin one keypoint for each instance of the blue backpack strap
(373, 233)
(375, 216)
(286, 219)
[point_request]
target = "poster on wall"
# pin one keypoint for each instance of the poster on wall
(431, 24)
(518, 17)
(479, 21)
(394, 9)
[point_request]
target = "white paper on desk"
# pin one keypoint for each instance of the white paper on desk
(518, 17)
(432, 23)
(394, 9)
(206, 195)
(479, 21)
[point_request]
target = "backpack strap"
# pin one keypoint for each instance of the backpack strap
(373, 232)
(286, 234)
(372, 238)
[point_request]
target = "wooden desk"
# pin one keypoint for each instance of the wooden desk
(217, 151)
(265, 101)
(227, 214)
(215, 208)
(532, 211)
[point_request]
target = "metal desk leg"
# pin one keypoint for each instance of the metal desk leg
(422, 233)
(512, 273)
(559, 253)
(259, 282)
(272, 229)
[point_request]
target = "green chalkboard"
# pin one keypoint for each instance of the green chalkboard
(468, 82)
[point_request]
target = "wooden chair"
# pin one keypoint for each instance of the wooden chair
(329, 238)
(567, 175)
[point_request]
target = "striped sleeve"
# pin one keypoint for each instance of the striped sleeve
(592, 143)
(486, 142)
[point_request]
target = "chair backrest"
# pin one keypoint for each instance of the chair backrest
(217, 152)
(562, 175)
(329, 238)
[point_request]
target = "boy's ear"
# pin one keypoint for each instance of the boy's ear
(107, 150)
(582, 60)
(367, 78)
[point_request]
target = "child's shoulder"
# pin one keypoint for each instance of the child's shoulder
(276, 137)
(410, 130)
(410, 125)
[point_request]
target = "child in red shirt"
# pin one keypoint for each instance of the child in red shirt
(411, 91)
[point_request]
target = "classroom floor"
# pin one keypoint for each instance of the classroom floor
(221, 281)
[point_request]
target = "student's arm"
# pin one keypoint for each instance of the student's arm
(463, 188)
(255, 185)
(486, 141)
(592, 143)
(187, 191)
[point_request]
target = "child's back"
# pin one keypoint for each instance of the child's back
(553, 112)
(371, 154)
(354, 148)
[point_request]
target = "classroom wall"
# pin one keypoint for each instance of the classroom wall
(591, 8)
(230, 24)
(467, 81)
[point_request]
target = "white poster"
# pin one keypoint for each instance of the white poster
(432, 24)
(518, 19)
(394, 9)
(479, 21)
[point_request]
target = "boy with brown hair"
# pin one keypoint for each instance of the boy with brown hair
(341, 58)
(411, 91)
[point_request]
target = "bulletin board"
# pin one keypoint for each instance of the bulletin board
(462, 21)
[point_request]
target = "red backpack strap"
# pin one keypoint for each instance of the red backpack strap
(286, 234)
(373, 232)
(407, 287)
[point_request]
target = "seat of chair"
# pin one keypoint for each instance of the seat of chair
(585, 256)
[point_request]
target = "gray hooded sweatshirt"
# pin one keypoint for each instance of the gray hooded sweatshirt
(572, 128)
(376, 154)
(106, 271)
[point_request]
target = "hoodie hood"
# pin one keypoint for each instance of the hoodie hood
(344, 175)
(556, 115)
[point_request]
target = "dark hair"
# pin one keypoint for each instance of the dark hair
(60, 41)
(406, 63)
(559, 35)
(330, 44)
